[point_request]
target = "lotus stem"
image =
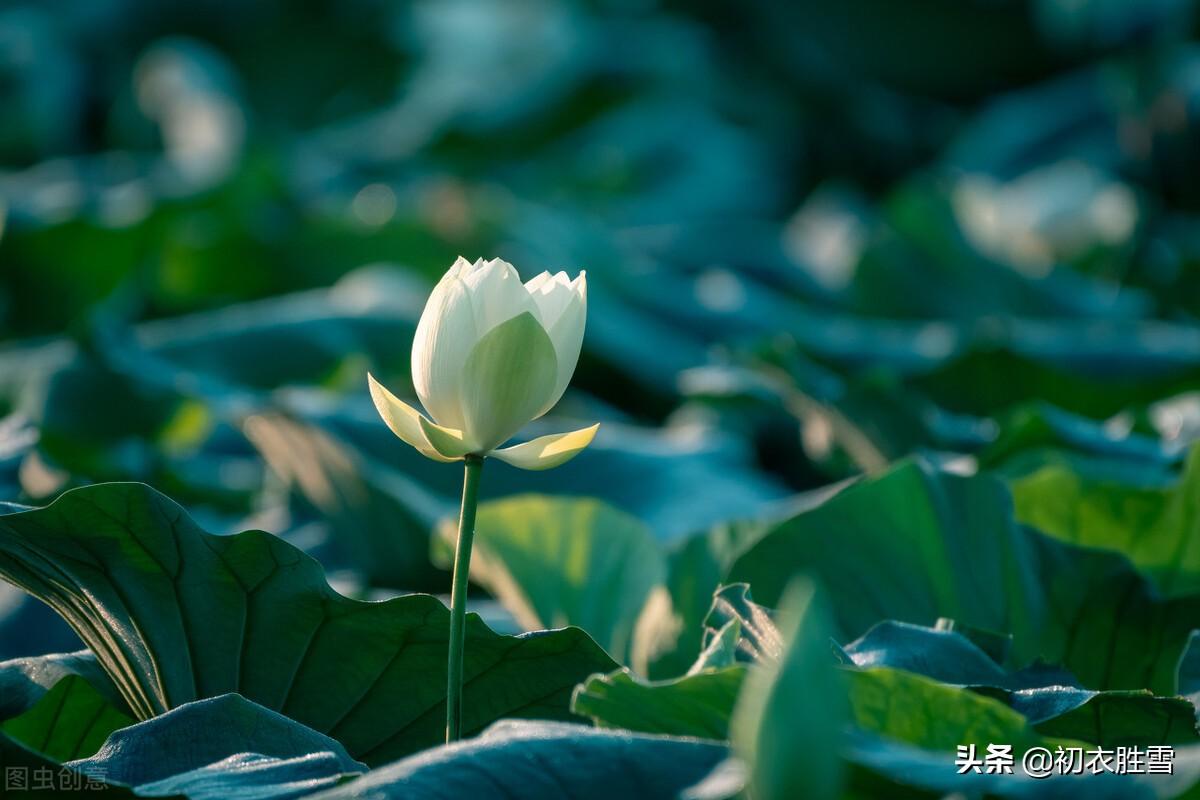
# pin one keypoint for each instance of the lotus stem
(473, 466)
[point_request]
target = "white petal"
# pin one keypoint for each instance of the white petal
(443, 341)
(497, 295)
(508, 378)
(459, 269)
(403, 419)
(535, 283)
(545, 452)
(567, 336)
(475, 266)
(552, 294)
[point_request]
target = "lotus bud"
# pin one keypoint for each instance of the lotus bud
(491, 354)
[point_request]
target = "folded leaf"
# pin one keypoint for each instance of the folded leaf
(204, 732)
(175, 614)
(70, 721)
(24, 681)
(543, 761)
(695, 705)
(208, 750)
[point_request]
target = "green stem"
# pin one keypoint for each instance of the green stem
(458, 596)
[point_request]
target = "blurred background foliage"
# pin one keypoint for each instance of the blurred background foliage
(819, 237)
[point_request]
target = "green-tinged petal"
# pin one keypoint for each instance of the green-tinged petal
(546, 452)
(508, 379)
(446, 441)
(403, 419)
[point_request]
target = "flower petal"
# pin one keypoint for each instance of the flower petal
(546, 452)
(509, 377)
(446, 441)
(535, 283)
(497, 295)
(552, 294)
(460, 268)
(403, 419)
(443, 341)
(567, 336)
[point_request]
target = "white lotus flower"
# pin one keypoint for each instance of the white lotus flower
(491, 354)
